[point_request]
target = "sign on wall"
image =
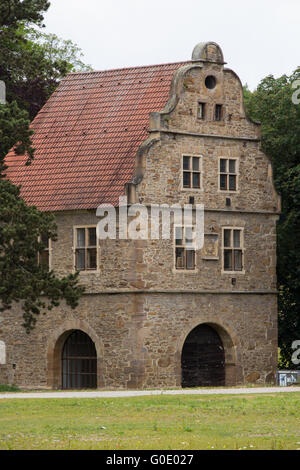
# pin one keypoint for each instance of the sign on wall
(288, 377)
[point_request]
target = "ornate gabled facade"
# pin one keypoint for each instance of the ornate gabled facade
(155, 313)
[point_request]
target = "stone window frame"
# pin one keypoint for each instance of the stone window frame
(242, 248)
(204, 105)
(222, 113)
(183, 188)
(237, 173)
(184, 269)
(74, 247)
(49, 249)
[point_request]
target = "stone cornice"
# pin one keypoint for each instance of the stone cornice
(228, 211)
(182, 291)
(212, 136)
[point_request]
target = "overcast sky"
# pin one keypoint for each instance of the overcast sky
(258, 37)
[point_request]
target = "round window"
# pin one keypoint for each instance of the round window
(210, 82)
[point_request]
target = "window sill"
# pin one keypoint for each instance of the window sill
(86, 272)
(182, 270)
(231, 191)
(232, 272)
(199, 190)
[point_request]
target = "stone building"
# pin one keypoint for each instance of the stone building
(156, 312)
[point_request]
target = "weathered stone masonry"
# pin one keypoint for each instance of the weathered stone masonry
(138, 309)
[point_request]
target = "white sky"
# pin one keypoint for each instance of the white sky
(258, 37)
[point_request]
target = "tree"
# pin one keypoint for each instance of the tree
(271, 104)
(32, 64)
(14, 123)
(14, 11)
(22, 278)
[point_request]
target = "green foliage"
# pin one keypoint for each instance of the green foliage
(14, 11)
(31, 65)
(271, 104)
(22, 277)
(9, 388)
(14, 127)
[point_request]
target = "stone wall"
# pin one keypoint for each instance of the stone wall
(139, 338)
(127, 264)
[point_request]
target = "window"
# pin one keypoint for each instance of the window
(184, 251)
(85, 248)
(191, 172)
(233, 249)
(210, 82)
(44, 256)
(228, 174)
(201, 111)
(218, 112)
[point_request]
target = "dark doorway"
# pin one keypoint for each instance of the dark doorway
(79, 362)
(203, 359)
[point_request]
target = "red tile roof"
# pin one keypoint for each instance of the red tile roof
(87, 134)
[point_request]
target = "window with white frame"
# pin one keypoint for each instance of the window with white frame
(184, 249)
(201, 110)
(228, 174)
(86, 248)
(191, 172)
(233, 249)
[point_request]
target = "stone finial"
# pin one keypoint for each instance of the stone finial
(208, 52)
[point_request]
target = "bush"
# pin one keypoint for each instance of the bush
(9, 388)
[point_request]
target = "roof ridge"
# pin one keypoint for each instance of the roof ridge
(127, 68)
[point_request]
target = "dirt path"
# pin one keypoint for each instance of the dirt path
(137, 393)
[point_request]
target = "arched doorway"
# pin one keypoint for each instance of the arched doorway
(79, 361)
(203, 358)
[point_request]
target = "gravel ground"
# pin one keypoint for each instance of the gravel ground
(137, 393)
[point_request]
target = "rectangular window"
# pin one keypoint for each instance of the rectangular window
(184, 251)
(218, 112)
(86, 248)
(201, 111)
(191, 167)
(44, 256)
(233, 249)
(228, 174)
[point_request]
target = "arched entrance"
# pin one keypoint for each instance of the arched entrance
(203, 358)
(79, 361)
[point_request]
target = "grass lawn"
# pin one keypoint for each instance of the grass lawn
(157, 422)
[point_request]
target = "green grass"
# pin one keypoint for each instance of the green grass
(158, 422)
